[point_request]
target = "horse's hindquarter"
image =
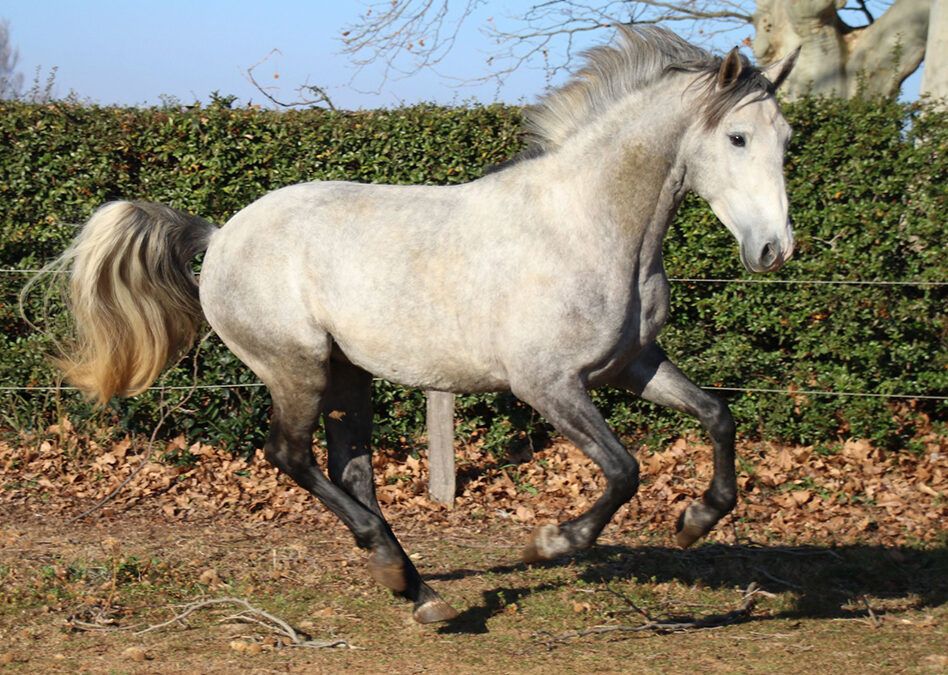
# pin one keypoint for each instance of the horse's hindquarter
(387, 271)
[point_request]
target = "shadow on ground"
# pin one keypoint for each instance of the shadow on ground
(823, 582)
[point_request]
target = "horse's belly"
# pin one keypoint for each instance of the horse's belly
(441, 374)
(437, 364)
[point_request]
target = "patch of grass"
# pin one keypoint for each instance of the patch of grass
(816, 599)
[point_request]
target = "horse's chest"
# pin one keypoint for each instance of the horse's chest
(653, 308)
(633, 322)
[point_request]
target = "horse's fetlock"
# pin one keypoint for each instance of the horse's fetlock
(548, 542)
(388, 569)
(722, 500)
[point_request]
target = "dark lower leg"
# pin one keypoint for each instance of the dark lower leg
(388, 563)
(571, 411)
(347, 415)
(657, 379)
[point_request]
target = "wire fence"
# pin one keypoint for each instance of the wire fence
(748, 390)
(705, 280)
(812, 282)
(702, 280)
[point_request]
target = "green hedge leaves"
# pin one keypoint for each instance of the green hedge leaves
(867, 191)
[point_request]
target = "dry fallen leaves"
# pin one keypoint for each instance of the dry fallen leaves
(790, 494)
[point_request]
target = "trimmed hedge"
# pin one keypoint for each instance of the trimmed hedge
(867, 192)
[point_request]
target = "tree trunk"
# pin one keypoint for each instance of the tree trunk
(837, 59)
(935, 76)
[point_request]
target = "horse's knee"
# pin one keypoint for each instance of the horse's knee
(625, 479)
(353, 474)
(287, 453)
(716, 417)
(282, 459)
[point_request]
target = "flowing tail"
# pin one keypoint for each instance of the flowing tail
(132, 295)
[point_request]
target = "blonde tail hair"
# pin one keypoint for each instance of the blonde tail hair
(132, 295)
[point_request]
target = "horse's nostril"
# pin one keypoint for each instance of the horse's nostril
(768, 255)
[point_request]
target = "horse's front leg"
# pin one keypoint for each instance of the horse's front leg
(653, 377)
(567, 406)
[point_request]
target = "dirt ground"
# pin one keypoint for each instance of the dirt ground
(857, 584)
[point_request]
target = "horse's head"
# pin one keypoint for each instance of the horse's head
(734, 159)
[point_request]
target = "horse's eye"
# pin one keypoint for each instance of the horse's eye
(737, 140)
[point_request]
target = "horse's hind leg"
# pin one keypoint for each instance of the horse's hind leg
(298, 394)
(653, 377)
(296, 406)
(347, 414)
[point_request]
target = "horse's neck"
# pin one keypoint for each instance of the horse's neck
(629, 173)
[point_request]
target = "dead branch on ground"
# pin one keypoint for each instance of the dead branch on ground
(251, 615)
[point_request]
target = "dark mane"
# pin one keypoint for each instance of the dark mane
(640, 56)
(716, 101)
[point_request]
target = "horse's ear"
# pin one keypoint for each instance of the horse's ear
(778, 71)
(730, 69)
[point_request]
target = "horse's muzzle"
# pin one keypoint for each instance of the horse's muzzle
(769, 256)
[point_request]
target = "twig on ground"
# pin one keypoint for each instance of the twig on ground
(788, 584)
(632, 606)
(251, 614)
(95, 618)
(779, 550)
(874, 620)
(664, 626)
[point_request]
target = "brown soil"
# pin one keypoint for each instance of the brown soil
(846, 546)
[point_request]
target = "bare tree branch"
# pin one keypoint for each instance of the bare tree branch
(11, 81)
(862, 7)
(406, 36)
(885, 53)
(425, 31)
(309, 94)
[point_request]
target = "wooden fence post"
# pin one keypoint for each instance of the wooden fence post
(440, 421)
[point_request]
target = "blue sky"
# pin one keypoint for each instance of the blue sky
(114, 51)
(131, 53)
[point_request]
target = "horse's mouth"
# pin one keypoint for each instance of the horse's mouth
(769, 258)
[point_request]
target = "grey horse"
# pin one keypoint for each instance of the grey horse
(544, 278)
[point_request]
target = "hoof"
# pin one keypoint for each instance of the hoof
(686, 536)
(693, 523)
(389, 573)
(434, 611)
(546, 543)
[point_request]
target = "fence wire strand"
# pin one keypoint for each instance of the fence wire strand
(748, 390)
(711, 280)
(811, 282)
